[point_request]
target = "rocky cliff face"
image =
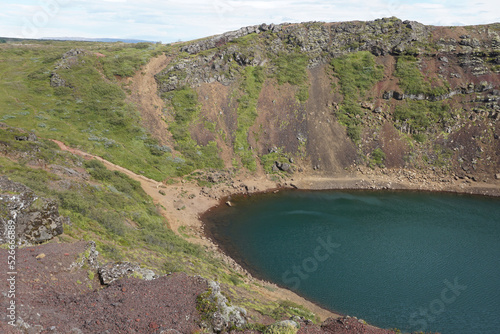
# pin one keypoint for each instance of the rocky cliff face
(25, 216)
(387, 93)
(318, 40)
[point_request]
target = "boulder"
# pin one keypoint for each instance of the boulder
(88, 257)
(113, 271)
(398, 95)
(56, 80)
(367, 105)
(285, 167)
(388, 95)
(30, 137)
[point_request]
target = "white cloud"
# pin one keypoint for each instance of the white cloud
(172, 20)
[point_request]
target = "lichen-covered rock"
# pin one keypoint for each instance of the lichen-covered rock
(223, 315)
(56, 80)
(113, 271)
(30, 218)
(88, 257)
(284, 326)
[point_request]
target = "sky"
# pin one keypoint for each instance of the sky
(169, 21)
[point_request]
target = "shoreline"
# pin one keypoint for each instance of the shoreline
(348, 184)
(184, 203)
(368, 181)
(227, 251)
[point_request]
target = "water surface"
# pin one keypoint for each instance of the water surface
(408, 260)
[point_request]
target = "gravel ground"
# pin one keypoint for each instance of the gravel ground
(52, 298)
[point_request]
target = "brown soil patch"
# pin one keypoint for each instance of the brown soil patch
(144, 93)
(217, 109)
(280, 120)
(328, 146)
(393, 146)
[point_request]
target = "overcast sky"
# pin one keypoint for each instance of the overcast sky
(169, 21)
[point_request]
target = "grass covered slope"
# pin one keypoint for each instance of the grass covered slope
(103, 205)
(75, 92)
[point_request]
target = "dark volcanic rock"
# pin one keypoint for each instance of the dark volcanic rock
(56, 80)
(318, 40)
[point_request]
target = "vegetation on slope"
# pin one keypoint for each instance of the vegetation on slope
(110, 208)
(412, 81)
(90, 109)
(185, 104)
(251, 85)
(291, 68)
(357, 73)
(420, 117)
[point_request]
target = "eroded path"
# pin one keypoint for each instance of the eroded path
(168, 198)
(180, 208)
(144, 94)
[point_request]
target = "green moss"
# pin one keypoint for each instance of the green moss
(247, 40)
(186, 107)
(419, 117)
(292, 68)
(288, 308)
(357, 73)
(412, 81)
(272, 329)
(253, 78)
(268, 160)
(205, 305)
(377, 158)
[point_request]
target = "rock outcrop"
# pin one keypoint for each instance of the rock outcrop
(26, 217)
(318, 40)
(222, 316)
(218, 40)
(113, 271)
(430, 83)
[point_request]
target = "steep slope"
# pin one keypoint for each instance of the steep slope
(144, 94)
(333, 96)
(381, 104)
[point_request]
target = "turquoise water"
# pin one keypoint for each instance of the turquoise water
(408, 260)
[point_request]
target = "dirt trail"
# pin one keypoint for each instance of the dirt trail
(181, 204)
(145, 96)
(151, 187)
(144, 180)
